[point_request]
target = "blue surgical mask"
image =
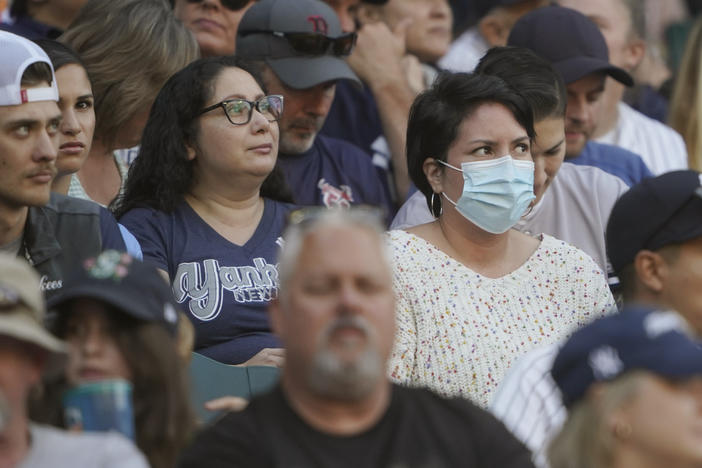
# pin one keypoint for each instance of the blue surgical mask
(496, 193)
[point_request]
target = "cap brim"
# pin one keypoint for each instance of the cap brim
(578, 67)
(306, 72)
(112, 296)
(20, 326)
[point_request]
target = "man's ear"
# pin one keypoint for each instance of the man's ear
(433, 171)
(636, 51)
(493, 30)
(651, 270)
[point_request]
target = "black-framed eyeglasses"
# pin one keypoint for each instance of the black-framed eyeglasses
(239, 111)
(233, 5)
(314, 43)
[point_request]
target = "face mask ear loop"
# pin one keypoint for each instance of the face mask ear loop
(450, 201)
(444, 163)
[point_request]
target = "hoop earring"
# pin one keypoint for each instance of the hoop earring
(434, 208)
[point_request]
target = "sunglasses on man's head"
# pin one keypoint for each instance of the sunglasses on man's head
(308, 43)
(233, 5)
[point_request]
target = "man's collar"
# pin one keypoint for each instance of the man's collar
(39, 241)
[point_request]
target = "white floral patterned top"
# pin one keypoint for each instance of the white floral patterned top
(458, 331)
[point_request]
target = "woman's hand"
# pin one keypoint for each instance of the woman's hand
(227, 403)
(267, 357)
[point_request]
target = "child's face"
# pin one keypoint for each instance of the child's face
(93, 352)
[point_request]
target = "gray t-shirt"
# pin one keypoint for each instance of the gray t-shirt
(60, 449)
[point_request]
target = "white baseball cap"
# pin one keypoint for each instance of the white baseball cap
(16, 54)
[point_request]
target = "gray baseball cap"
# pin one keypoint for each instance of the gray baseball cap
(270, 31)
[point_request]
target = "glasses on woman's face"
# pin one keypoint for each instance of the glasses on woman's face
(239, 111)
(233, 5)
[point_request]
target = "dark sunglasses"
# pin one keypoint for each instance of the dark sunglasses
(314, 43)
(233, 5)
(239, 111)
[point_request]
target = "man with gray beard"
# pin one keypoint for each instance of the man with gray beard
(334, 406)
(301, 50)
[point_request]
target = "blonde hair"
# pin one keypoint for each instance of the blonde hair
(130, 48)
(586, 441)
(686, 104)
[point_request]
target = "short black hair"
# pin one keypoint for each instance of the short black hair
(437, 113)
(529, 74)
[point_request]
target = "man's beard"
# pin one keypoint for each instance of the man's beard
(332, 377)
(292, 142)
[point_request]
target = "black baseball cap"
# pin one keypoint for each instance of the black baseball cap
(656, 212)
(639, 338)
(261, 35)
(133, 287)
(569, 40)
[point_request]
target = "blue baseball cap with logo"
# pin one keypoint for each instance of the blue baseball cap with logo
(638, 338)
(300, 40)
(569, 40)
(134, 288)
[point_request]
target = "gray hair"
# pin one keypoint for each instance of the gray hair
(306, 221)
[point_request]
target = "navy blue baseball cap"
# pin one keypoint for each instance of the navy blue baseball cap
(135, 288)
(636, 339)
(569, 40)
(656, 212)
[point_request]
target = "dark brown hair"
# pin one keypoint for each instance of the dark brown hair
(36, 74)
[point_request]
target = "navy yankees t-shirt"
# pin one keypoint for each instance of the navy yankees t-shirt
(224, 288)
(334, 173)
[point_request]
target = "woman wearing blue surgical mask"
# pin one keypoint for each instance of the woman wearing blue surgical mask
(473, 293)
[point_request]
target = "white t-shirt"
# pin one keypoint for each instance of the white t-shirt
(575, 208)
(660, 147)
(465, 52)
(55, 448)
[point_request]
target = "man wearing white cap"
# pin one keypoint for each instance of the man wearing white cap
(27, 351)
(52, 232)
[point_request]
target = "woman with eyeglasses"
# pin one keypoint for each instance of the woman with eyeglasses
(207, 203)
(473, 293)
(213, 23)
